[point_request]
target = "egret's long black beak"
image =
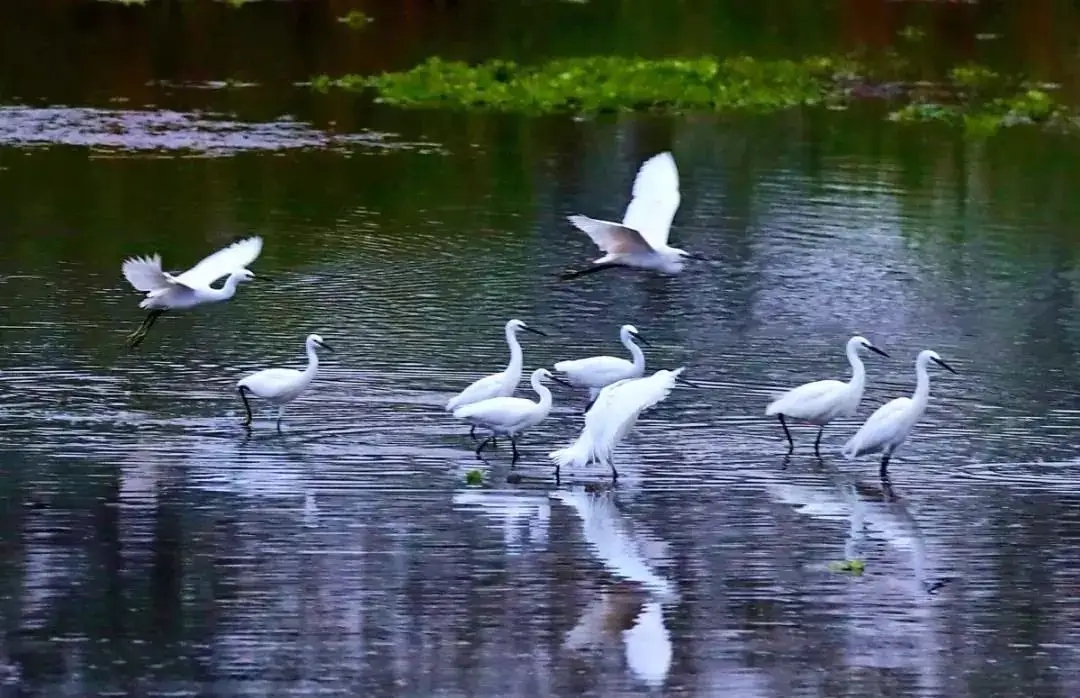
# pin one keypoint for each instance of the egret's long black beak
(641, 339)
(944, 365)
(529, 329)
(560, 380)
(874, 349)
(680, 379)
(698, 257)
(326, 346)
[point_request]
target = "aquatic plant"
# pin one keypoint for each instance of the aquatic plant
(355, 19)
(474, 478)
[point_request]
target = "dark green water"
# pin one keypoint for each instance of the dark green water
(152, 546)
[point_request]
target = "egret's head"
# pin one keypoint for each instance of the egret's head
(317, 341)
(864, 343)
(927, 355)
(516, 326)
(541, 373)
(244, 275)
(631, 331)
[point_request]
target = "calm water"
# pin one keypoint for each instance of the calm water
(153, 546)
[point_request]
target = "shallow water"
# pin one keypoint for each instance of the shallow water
(154, 546)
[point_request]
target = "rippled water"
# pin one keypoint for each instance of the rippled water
(154, 546)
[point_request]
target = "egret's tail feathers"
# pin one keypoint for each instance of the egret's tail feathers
(576, 455)
(145, 274)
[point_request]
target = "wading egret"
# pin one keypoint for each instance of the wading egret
(509, 416)
(891, 423)
(641, 239)
(501, 384)
(821, 402)
(165, 291)
(280, 386)
(597, 372)
(611, 417)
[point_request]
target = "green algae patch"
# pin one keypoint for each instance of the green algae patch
(603, 84)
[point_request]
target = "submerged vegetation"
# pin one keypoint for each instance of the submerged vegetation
(974, 97)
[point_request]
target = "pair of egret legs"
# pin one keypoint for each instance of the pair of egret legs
(244, 390)
(883, 472)
(135, 338)
(513, 445)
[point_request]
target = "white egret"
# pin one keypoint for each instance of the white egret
(821, 402)
(509, 416)
(165, 291)
(502, 384)
(641, 239)
(611, 417)
(891, 423)
(598, 372)
(280, 386)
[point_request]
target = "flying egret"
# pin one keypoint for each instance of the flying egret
(611, 417)
(509, 416)
(821, 402)
(501, 384)
(597, 372)
(165, 291)
(641, 239)
(891, 423)
(280, 386)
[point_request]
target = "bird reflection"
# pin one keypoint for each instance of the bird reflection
(631, 609)
(511, 513)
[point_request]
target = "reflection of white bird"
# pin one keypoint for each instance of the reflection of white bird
(280, 386)
(641, 239)
(891, 423)
(518, 515)
(597, 372)
(509, 416)
(821, 402)
(611, 417)
(165, 291)
(502, 384)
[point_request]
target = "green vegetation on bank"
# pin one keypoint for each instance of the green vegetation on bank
(971, 96)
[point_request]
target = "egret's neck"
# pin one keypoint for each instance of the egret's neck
(858, 370)
(635, 351)
(515, 352)
(312, 362)
(922, 385)
(229, 289)
(543, 392)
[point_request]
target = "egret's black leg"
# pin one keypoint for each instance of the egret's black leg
(135, 338)
(567, 276)
(472, 432)
(481, 446)
(884, 472)
(280, 414)
(614, 472)
(817, 442)
(247, 407)
(494, 441)
(791, 444)
(513, 445)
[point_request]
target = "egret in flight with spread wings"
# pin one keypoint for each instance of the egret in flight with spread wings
(280, 386)
(598, 372)
(891, 423)
(165, 291)
(502, 384)
(611, 417)
(641, 239)
(509, 416)
(821, 402)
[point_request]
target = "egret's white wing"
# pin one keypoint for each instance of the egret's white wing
(145, 274)
(496, 411)
(595, 371)
(655, 199)
(804, 401)
(271, 382)
(878, 430)
(481, 389)
(222, 263)
(613, 238)
(617, 407)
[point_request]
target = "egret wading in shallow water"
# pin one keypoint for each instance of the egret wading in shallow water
(280, 386)
(821, 402)
(640, 241)
(502, 384)
(165, 291)
(611, 417)
(891, 423)
(598, 372)
(509, 416)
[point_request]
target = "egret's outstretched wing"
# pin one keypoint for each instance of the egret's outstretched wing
(613, 238)
(145, 274)
(618, 406)
(655, 199)
(222, 263)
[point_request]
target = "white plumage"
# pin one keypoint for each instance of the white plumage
(611, 417)
(502, 384)
(821, 402)
(280, 386)
(165, 291)
(509, 416)
(641, 239)
(890, 425)
(597, 372)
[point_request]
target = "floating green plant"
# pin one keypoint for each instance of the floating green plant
(354, 19)
(854, 566)
(474, 478)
